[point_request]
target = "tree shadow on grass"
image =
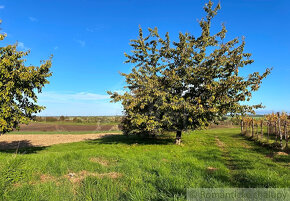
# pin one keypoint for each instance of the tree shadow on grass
(130, 140)
(20, 147)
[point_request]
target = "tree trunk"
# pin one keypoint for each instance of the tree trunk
(178, 137)
(242, 126)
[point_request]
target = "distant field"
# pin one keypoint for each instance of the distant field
(79, 123)
(59, 127)
(59, 132)
(82, 120)
(131, 168)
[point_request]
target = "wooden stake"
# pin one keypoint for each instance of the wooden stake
(242, 126)
(262, 129)
(268, 129)
(252, 128)
(286, 133)
(276, 135)
(279, 130)
(257, 132)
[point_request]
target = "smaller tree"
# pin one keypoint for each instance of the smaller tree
(18, 87)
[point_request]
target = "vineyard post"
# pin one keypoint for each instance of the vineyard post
(262, 129)
(252, 128)
(276, 135)
(279, 129)
(257, 130)
(286, 133)
(242, 126)
(268, 129)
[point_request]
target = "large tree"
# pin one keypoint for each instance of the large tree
(186, 84)
(19, 85)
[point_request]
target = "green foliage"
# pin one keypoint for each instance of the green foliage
(186, 84)
(19, 84)
(77, 120)
(51, 119)
(61, 118)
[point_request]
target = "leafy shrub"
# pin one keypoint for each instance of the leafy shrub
(51, 119)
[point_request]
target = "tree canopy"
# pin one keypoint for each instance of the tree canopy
(186, 84)
(19, 86)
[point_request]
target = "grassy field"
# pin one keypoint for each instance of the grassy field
(131, 168)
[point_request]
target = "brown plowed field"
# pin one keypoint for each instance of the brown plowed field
(61, 127)
(21, 141)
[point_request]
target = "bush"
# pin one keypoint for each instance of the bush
(77, 120)
(62, 118)
(50, 119)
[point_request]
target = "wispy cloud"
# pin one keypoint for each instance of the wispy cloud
(2, 6)
(95, 28)
(56, 48)
(33, 19)
(81, 96)
(81, 42)
(74, 104)
(21, 46)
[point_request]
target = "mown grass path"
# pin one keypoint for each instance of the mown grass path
(131, 168)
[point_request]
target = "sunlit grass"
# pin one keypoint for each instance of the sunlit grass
(147, 169)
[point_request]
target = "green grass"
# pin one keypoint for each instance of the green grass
(150, 169)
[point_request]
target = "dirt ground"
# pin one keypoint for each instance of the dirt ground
(21, 141)
(55, 127)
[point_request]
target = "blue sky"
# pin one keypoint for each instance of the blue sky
(88, 39)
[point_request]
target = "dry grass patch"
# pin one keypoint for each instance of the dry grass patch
(101, 161)
(47, 178)
(165, 160)
(76, 178)
(219, 143)
(280, 153)
(42, 179)
(211, 169)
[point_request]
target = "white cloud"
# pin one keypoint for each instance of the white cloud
(61, 97)
(82, 109)
(2, 6)
(95, 28)
(33, 19)
(21, 46)
(74, 104)
(55, 48)
(81, 42)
